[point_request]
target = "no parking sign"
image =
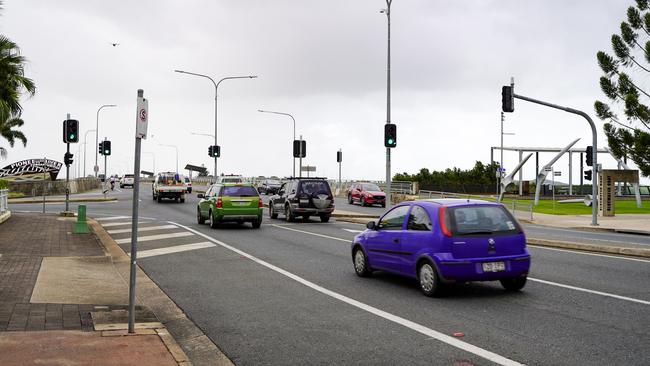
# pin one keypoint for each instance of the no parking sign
(142, 118)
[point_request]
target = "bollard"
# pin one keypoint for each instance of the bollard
(81, 226)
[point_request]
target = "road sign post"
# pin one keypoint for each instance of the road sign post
(141, 121)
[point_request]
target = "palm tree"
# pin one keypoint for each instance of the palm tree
(12, 77)
(9, 133)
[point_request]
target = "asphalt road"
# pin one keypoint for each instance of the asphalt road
(287, 294)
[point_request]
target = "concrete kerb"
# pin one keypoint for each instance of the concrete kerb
(598, 248)
(5, 216)
(184, 333)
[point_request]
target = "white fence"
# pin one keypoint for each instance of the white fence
(4, 196)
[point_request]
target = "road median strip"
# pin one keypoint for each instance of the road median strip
(588, 247)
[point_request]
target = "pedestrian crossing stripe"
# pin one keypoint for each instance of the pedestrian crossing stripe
(154, 237)
(144, 228)
(174, 249)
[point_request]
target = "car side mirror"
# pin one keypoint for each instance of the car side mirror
(371, 225)
(200, 195)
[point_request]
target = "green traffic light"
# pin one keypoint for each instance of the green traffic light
(72, 136)
(390, 141)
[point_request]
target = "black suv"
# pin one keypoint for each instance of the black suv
(303, 197)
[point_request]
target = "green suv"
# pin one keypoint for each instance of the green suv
(230, 202)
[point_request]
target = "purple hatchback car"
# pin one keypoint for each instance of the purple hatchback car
(444, 241)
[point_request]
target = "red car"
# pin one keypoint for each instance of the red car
(366, 194)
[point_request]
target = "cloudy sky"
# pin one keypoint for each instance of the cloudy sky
(322, 61)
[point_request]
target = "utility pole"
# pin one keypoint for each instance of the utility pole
(300, 164)
(388, 121)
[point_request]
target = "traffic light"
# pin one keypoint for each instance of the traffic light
(216, 150)
(390, 135)
(590, 156)
(297, 148)
(67, 158)
(107, 148)
(507, 99)
(70, 131)
(339, 156)
(587, 174)
(210, 151)
(101, 148)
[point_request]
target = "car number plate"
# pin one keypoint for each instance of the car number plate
(304, 202)
(494, 267)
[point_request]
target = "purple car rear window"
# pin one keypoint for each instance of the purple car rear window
(239, 192)
(482, 220)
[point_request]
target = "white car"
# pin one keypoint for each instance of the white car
(230, 179)
(188, 184)
(127, 180)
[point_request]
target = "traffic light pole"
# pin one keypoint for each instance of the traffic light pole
(105, 172)
(388, 174)
(594, 187)
(300, 164)
(67, 176)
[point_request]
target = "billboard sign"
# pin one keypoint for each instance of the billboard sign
(30, 170)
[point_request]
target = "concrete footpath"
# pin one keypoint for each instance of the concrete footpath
(64, 296)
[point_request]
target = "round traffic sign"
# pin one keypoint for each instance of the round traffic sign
(96, 168)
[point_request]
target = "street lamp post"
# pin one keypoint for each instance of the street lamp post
(294, 133)
(175, 147)
(85, 143)
(216, 93)
(96, 168)
(154, 160)
(388, 175)
(501, 172)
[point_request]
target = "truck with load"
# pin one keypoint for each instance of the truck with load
(169, 185)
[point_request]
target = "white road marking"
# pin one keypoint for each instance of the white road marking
(154, 237)
(112, 218)
(110, 224)
(175, 249)
(314, 234)
(352, 231)
(644, 302)
(454, 342)
(142, 228)
(586, 253)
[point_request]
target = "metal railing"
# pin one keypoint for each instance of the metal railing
(4, 197)
(440, 194)
(520, 210)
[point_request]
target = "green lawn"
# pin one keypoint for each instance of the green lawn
(16, 195)
(579, 208)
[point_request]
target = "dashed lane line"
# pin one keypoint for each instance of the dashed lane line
(174, 249)
(154, 237)
(352, 230)
(644, 302)
(454, 342)
(314, 234)
(142, 228)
